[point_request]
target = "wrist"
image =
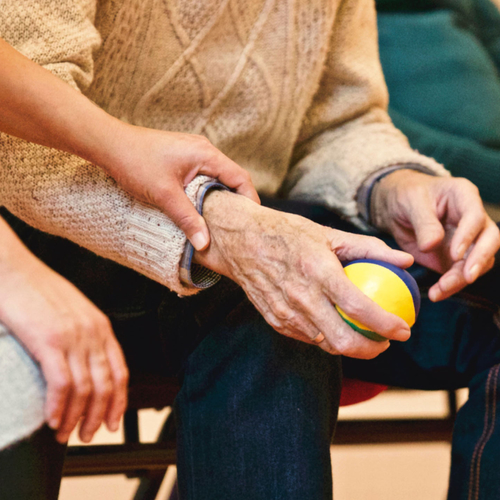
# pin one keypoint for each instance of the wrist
(385, 192)
(103, 143)
(229, 218)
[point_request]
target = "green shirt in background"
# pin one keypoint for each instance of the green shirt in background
(441, 61)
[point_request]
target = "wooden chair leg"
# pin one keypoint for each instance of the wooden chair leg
(150, 484)
(131, 426)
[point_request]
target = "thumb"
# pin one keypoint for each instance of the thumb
(429, 231)
(185, 216)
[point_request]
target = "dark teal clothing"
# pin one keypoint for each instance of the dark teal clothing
(441, 60)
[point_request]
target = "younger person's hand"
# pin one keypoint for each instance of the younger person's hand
(155, 167)
(152, 165)
(68, 336)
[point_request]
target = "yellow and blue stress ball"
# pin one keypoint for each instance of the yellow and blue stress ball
(391, 287)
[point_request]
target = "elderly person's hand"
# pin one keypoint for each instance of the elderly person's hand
(80, 358)
(287, 268)
(441, 221)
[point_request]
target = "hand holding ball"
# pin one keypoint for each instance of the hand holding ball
(392, 288)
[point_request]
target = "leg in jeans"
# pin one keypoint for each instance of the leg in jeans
(256, 411)
(454, 344)
(256, 414)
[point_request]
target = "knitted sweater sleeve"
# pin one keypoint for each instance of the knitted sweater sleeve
(347, 134)
(62, 194)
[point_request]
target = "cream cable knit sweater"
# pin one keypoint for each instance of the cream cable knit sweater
(291, 90)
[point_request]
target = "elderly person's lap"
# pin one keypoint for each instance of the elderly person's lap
(251, 393)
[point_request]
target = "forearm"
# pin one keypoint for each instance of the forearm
(11, 248)
(347, 134)
(37, 106)
(63, 195)
(57, 192)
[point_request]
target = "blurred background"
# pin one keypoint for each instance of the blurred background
(415, 471)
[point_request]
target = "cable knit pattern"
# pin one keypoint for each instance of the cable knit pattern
(22, 392)
(293, 91)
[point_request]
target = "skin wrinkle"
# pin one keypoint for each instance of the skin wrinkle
(285, 264)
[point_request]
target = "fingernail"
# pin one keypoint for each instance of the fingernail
(460, 251)
(474, 272)
(199, 240)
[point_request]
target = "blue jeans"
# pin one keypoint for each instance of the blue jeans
(257, 411)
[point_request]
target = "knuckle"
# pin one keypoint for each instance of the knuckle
(372, 241)
(296, 296)
(246, 175)
(61, 384)
(67, 327)
(295, 324)
(123, 377)
(56, 338)
(104, 389)
(467, 185)
(103, 323)
(311, 268)
(202, 139)
(89, 326)
(83, 389)
(281, 311)
(243, 177)
(273, 321)
(352, 307)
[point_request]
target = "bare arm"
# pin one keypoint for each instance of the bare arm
(72, 340)
(151, 165)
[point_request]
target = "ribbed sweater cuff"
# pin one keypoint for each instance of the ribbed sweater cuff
(154, 245)
(365, 192)
(194, 275)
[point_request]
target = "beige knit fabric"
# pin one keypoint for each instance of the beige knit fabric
(291, 90)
